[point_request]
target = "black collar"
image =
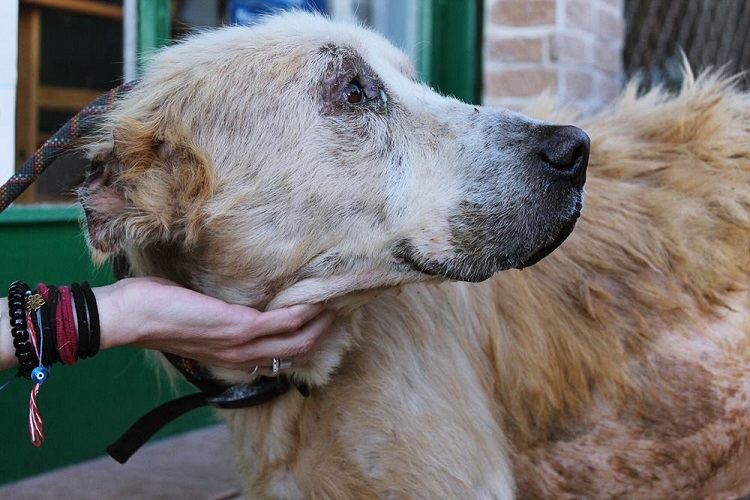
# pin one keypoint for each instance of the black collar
(211, 392)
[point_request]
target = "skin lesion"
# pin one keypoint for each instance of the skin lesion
(671, 438)
(349, 84)
(679, 401)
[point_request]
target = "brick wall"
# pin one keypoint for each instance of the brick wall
(573, 48)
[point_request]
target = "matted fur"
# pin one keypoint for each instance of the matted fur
(619, 366)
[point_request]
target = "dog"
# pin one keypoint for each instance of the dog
(301, 161)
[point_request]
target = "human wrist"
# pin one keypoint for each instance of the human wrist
(131, 312)
(116, 316)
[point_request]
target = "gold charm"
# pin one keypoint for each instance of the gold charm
(34, 302)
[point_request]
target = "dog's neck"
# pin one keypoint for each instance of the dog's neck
(344, 294)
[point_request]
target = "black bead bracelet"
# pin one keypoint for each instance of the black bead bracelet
(17, 293)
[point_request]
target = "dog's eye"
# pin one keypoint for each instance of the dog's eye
(354, 93)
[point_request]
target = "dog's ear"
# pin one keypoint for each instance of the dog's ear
(144, 188)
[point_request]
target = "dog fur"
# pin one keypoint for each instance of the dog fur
(619, 366)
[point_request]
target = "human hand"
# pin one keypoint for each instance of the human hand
(157, 314)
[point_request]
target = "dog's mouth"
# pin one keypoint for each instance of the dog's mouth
(554, 241)
(474, 269)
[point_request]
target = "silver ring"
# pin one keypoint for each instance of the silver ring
(278, 364)
(285, 363)
(254, 370)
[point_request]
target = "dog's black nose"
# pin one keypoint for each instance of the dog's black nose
(566, 149)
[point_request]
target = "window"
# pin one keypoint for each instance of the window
(68, 54)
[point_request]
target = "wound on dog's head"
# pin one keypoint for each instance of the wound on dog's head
(128, 195)
(350, 83)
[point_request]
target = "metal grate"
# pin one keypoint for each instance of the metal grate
(711, 33)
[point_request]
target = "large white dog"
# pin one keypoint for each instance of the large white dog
(302, 161)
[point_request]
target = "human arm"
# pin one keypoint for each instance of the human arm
(156, 314)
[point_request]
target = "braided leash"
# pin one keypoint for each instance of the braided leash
(74, 129)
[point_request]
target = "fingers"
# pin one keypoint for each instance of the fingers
(211, 331)
(300, 345)
(285, 320)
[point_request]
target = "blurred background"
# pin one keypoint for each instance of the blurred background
(58, 55)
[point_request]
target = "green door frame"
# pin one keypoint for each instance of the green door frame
(154, 27)
(451, 55)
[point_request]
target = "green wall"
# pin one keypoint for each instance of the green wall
(86, 406)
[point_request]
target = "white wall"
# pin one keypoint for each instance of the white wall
(8, 77)
(130, 40)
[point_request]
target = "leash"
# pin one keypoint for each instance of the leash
(210, 391)
(63, 140)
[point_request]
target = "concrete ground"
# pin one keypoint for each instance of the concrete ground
(196, 465)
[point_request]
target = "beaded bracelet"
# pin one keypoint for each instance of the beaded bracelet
(17, 293)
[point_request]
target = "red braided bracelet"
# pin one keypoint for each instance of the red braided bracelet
(67, 336)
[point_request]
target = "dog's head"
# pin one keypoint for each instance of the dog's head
(301, 160)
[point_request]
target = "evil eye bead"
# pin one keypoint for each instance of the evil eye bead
(39, 375)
